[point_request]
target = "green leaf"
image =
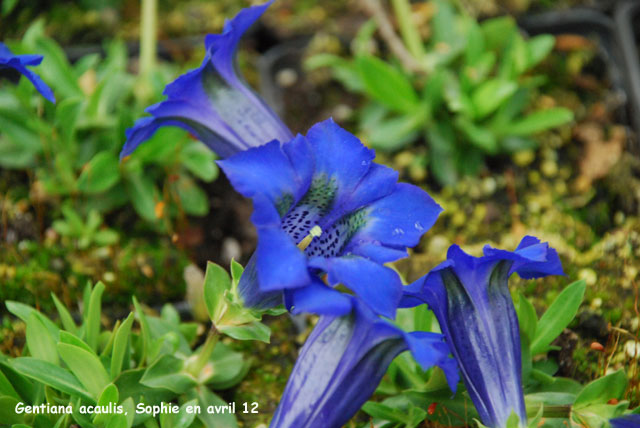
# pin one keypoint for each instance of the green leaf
(490, 95)
(515, 59)
(344, 71)
(216, 283)
(212, 420)
(384, 412)
(182, 419)
(51, 375)
(387, 84)
(120, 346)
(497, 31)
(538, 121)
(193, 199)
(601, 390)
(539, 47)
(100, 174)
(558, 316)
(7, 412)
(527, 317)
(478, 136)
(6, 388)
(229, 367)
(55, 68)
(143, 195)
(167, 372)
(86, 366)
(40, 342)
(92, 317)
(253, 331)
(199, 160)
(147, 339)
(65, 316)
(118, 421)
(236, 272)
(109, 395)
(66, 337)
(23, 312)
(395, 133)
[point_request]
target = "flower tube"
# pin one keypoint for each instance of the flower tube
(470, 298)
(213, 102)
(342, 363)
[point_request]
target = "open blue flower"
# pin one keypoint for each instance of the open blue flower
(470, 297)
(322, 206)
(213, 102)
(626, 421)
(20, 63)
(342, 363)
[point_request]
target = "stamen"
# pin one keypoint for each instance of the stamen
(315, 232)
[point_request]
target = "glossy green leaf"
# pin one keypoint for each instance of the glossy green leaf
(167, 372)
(86, 366)
(109, 395)
(490, 95)
(558, 316)
(7, 413)
(65, 316)
(386, 84)
(66, 337)
(253, 331)
(600, 391)
(120, 346)
(40, 342)
(52, 375)
(216, 283)
(23, 312)
(394, 133)
(92, 316)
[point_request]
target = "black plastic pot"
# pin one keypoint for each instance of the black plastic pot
(593, 25)
(627, 20)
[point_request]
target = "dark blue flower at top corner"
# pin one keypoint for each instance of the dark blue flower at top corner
(626, 421)
(471, 300)
(342, 363)
(212, 102)
(20, 63)
(322, 206)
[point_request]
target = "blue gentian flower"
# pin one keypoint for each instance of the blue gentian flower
(342, 363)
(626, 421)
(470, 297)
(321, 205)
(20, 63)
(213, 102)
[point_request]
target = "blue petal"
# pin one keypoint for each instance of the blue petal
(213, 102)
(376, 285)
(264, 170)
(20, 63)
(340, 156)
(399, 219)
(279, 262)
(429, 349)
(626, 421)
(249, 289)
(318, 298)
(532, 259)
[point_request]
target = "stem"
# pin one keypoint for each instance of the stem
(408, 30)
(148, 36)
(205, 352)
(559, 411)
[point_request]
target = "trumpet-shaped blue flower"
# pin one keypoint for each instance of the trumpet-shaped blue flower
(470, 297)
(213, 102)
(626, 421)
(20, 63)
(342, 363)
(322, 206)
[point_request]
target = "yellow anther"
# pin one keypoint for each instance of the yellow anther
(315, 232)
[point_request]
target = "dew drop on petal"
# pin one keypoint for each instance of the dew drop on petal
(418, 226)
(398, 231)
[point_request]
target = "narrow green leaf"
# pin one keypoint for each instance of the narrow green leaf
(40, 342)
(527, 317)
(7, 413)
(23, 312)
(387, 84)
(537, 121)
(65, 316)
(52, 375)
(558, 316)
(167, 373)
(68, 338)
(146, 331)
(100, 174)
(109, 395)
(538, 48)
(92, 330)
(120, 345)
(253, 331)
(86, 366)
(6, 388)
(601, 390)
(216, 283)
(490, 95)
